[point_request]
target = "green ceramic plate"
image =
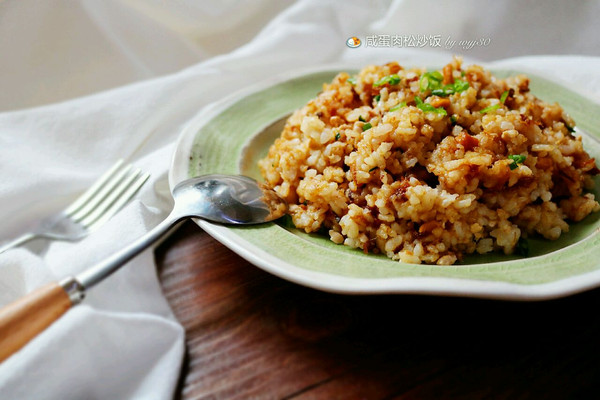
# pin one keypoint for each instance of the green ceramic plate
(225, 139)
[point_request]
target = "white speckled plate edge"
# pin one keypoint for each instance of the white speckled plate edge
(287, 268)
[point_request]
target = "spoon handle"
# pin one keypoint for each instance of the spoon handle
(24, 319)
(30, 315)
(103, 269)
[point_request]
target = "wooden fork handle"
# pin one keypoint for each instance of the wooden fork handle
(24, 319)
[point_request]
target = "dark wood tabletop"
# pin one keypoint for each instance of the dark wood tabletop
(251, 335)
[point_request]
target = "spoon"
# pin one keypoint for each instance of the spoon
(225, 199)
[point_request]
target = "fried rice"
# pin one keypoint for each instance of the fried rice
(428, 166)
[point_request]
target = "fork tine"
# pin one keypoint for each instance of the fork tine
(110, 198)
(120, 202)
(101, 193)
(87, 195)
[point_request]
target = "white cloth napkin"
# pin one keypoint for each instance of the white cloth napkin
(123, 341)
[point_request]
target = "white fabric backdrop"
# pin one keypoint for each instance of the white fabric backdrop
(60, 49)
(124, 342)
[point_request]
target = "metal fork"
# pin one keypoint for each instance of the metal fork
(93, 208)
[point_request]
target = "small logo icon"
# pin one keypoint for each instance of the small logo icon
(353, 42)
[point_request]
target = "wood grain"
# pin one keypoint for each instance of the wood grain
(251, 335)
(27, 317)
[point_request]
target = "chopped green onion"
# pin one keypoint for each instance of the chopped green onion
(446, 90)
(463, 73)
(351, 81)
(430, 80)
(522, 247)
(460, 86)
(496, 106)
(433, 81)
(398, 106)
(367, 126)
(361, 119)
(436, 75)
(373, 169)
(424, 83)
(569, 128)
(337, 136)
(428, 107)
(390, 80)
(490, 108)
(516, 159)
(377, 98)
(453, 118)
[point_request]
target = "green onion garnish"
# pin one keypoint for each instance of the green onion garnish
(516, 159)
(430, 80)
(446, 90)
(436, 75)
(490, 108)
(361, 119)
(428, 107)
(522, 247)
(377, 98)
(351, 81)
(337, 136)
(433, 81)
(460, 86)
(367, 126)
(496, 106)
(453, 118)
(398, 106)
(390, 80)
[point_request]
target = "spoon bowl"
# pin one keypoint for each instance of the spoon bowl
(227, 199)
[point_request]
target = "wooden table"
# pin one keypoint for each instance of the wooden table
(251, 335)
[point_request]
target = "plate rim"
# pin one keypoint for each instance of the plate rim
(438, 286)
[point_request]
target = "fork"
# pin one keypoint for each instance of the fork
(90, 210)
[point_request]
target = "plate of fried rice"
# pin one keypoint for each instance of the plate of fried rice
(446, 180)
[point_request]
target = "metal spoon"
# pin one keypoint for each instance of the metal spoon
(226, 199)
